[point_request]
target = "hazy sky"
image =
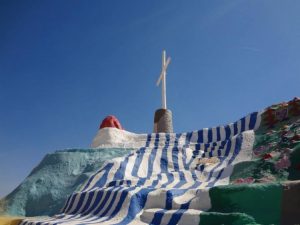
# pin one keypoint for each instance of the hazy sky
(65, 65)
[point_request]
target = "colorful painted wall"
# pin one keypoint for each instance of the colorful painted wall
(246, 172)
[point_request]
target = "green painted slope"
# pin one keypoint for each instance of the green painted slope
(260, 201)
(59, 174)
(214, 218)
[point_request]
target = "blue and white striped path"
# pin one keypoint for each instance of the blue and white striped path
(161, 182)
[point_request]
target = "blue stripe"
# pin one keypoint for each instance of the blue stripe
(235, 128)
(152, 157)
(164, 157)
(170, 178)
(210, 135)
(150, 162)
(157, 217)
(227, 131)
(228, 148)
(72, 202)
(124, 194)
(93, 176)
(175, 158)
(253, 119)
(220, 151)
(110, 204)
(155, 182)
(200, 136)
(218, 134)
(137, 203)
(211, 151)
(66, 204)
(88, 202)
(119, 175)
(178, 214)
(243, 124)
(138, 160)
(107, 195)
(101, 182)
(96, 202)
(148, 140)
(79, 204)
(175, 152)
(182, 180)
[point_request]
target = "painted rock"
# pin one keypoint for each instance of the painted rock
(296, 137)
(267, 156)
(111, 121)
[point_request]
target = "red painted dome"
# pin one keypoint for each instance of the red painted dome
(111, 121)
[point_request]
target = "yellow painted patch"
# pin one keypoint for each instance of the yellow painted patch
(6, 220)
(208, 161)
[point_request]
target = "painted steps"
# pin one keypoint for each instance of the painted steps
(173, 216)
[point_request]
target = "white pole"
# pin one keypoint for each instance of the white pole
(163, 86)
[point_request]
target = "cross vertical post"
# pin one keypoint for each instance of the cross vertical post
(163, 86)
(163, 116)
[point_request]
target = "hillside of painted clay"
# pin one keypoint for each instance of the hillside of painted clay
(246, 172)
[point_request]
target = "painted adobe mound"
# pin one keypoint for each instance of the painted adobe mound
(246, 172)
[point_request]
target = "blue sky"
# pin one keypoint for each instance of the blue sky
(65, 65)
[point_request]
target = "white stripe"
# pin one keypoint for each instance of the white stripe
(142, 170)
(214, 134)
(181, 139)
(156, 162)
(190, 218)
(194, 137)
(247, 122)
(180, 157)
(231, 126)
(166, 218)
(205, 134)
(222, 133)
(170, 166)
(130, 165)
(188, 154)
(239, 126)
(258, 121)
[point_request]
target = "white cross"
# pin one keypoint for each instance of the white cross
(162, 77)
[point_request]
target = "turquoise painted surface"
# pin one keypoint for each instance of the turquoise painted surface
(59, 174)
